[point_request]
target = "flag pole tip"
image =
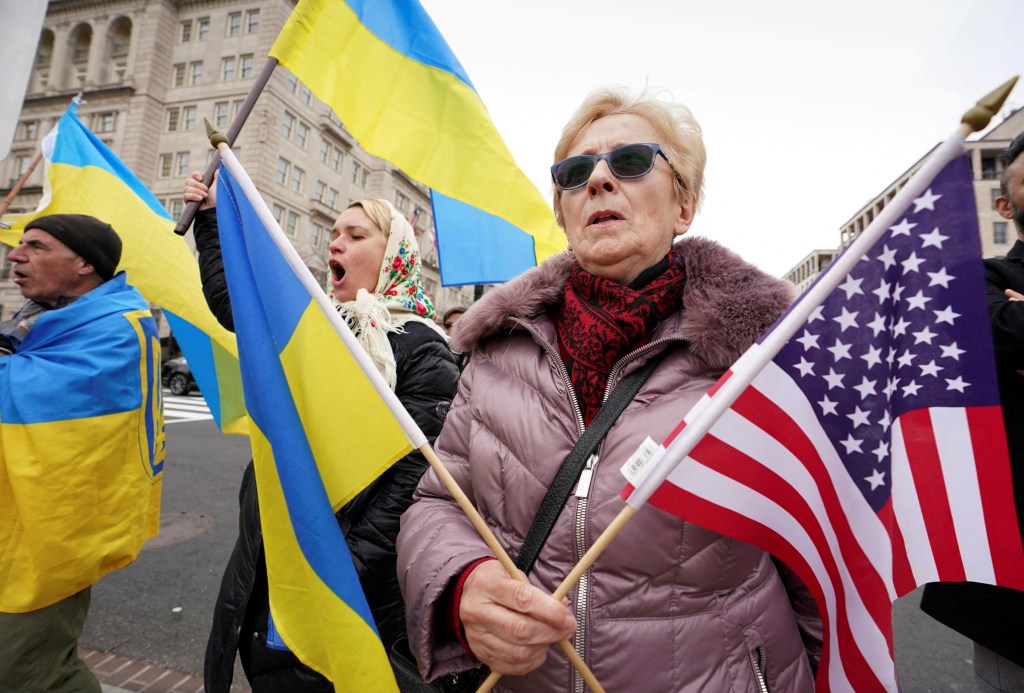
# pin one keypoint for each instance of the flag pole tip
(216, 136)
(979, 117)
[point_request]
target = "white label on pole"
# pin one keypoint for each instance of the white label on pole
(637, 464)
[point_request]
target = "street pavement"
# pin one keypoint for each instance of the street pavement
(148, 624)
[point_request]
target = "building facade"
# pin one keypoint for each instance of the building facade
(997, 234)
(150, 71)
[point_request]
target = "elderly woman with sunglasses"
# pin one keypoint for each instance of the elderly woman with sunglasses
(669, 606)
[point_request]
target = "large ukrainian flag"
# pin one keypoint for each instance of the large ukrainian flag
(81, 446)
(386, 71)
(320, 433)
(84, 177)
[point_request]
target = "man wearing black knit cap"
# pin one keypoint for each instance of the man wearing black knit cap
(80, 486)
(60, 257)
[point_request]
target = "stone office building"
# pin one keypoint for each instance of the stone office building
(150, 71)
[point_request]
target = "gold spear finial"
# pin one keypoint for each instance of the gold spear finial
(216, 136)
(978, 117)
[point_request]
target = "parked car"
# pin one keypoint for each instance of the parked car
(177, 376)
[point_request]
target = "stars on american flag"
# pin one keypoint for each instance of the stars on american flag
(890, 339)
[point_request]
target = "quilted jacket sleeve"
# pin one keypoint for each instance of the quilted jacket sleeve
(211, 267)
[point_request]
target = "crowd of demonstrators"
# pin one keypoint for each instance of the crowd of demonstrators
(670, 604)
(375, 286)
(993, 617)
(77, 499)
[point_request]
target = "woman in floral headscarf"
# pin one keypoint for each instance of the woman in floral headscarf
(375, 285)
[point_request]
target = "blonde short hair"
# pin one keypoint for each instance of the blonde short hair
(680, 135)
(379, 211)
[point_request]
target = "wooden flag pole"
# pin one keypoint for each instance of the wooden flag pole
(189, 212)
(6, 202)
(976, 119)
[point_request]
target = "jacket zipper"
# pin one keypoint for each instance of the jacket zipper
(583, 490)
(758, 663)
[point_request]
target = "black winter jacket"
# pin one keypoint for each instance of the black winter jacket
(993, 616)
(427, 377)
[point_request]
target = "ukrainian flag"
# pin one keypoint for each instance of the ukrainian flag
(320, 433)
(81, 446)
(386, 71)
(84, 177)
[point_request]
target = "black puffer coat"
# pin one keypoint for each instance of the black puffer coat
(427, 377)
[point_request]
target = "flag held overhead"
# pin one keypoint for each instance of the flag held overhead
(387, 72)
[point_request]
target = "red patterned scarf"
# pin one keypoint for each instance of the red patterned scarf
(601, 321)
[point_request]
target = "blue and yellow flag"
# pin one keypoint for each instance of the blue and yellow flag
(84, 177)
(386, 71)
(320, 433)
(81, 446)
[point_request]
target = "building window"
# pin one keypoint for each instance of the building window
(360, 175)
(175, 207)
(321, 188)
(220, 114)
(178, 75)
(172, 119)
(185, 31)
(336, 159)
(320, 235)
(245, 66)
(995, 193)
(236, 106)
(302, 134)
(298, 176)
(234, 24)
(202, 28)
(325, 150)
(287, 125)
(278, 212)
(999, 232)
(305, 94)
(252, 21)
(29, 130)
(332, 198)
(282, 171)
(401, 201)
(292, 82)
(196, 72)
(292, 225)
(183, 163)
(105, 122)
(188, 117)
(989, 169)
(164, 166)
(227, 69)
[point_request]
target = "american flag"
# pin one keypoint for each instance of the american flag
(869, 453)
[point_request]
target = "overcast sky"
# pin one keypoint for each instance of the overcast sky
(809, 108)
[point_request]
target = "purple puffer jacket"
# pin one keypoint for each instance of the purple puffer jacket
(669, 606)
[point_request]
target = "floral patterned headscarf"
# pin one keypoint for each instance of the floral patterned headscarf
(398, 298)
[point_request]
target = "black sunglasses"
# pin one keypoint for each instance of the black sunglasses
(627, 161)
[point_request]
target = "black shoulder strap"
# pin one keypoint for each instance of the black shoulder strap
(572, 467)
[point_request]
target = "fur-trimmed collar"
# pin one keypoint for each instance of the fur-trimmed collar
(727, 302)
